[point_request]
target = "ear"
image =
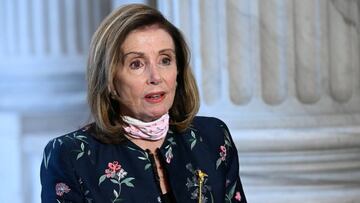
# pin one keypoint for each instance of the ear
(113, 93)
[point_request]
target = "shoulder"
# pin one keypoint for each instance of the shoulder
(82, 135)
(216, 136)
(202, 119)
(60, 147)
(211, 129)
(59, 165)
(207, 121)
(211, 124)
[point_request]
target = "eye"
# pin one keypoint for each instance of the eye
(166, 61)
(136, 64)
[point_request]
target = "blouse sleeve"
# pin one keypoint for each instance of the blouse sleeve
(234, 189)
(57, 174)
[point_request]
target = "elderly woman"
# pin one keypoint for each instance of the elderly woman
(146, 144)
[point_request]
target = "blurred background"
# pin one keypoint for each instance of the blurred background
(283, 74)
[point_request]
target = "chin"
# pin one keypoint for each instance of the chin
(158, 114)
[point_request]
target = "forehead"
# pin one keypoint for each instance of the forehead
(147, 37)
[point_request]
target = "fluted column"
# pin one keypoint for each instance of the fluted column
(43, 54)
(117, 3)
(10, 156)
(285, 77)
(43, 51)
(240, 57)
(343, 22)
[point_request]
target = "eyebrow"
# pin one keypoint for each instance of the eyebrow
(142, 54)
(133, 52)
(165, 50)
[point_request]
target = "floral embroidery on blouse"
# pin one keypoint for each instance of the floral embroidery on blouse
(79, 152)
(85, 192)
(116, 174)
(231, 194)
(168, 154)
(198, 186)
(74, 136)
(144, 156)
(82, 138)
(61, 188)
(223, 149)
(222, 152)
(238, 196)
(193, 140)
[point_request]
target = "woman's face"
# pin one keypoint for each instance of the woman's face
(146, 79)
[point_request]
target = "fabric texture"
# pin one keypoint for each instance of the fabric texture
(78, 168)
(154, 130)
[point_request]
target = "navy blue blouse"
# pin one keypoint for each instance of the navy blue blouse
(200, 163)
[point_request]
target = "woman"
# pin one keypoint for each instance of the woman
(146, 145)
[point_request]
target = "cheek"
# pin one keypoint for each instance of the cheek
(126, 89)
(172, 84)
(130, 92)
(172, 80)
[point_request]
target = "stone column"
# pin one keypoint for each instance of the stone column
(117, 3)
(43, 53)
(284, 75)
(10, 156)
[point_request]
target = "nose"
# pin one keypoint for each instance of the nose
(154, 75)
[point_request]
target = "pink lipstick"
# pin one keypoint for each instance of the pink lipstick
(155, 97)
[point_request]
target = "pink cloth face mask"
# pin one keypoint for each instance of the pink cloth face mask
(154, 130)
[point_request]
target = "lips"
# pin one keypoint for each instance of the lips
(155, 97)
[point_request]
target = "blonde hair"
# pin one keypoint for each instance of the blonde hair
(105, 56)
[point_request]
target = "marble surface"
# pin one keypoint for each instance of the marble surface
(340, 73)
(11, 173)
(290, 72)
(322, 166)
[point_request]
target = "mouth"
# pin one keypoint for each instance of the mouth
(155, 97)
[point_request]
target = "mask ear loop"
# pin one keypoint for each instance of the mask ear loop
(114, 98)
(111, 89)
(113, 93)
